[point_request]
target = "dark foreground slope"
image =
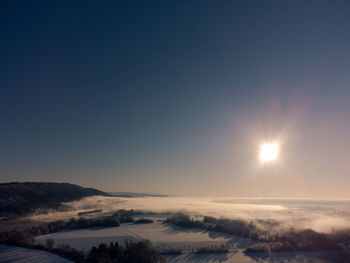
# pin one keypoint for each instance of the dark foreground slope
(23, 198)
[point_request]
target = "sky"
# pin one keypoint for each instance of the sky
(176, 97)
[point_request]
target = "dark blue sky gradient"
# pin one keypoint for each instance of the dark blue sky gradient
(160, 96)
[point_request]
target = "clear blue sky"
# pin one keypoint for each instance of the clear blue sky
(177, 96)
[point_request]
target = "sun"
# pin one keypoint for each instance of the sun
(269, 152)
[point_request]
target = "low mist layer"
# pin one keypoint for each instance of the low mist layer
(319, 215)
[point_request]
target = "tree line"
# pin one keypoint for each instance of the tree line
(291, 240)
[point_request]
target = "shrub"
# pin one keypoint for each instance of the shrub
(50, 243)
(143, 221)
(223, 248)
(124, 216)
(171, 251)
(131, 252)
(20, 238)
(257, 248)
(184, 220)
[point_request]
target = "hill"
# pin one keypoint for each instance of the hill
(23, 198)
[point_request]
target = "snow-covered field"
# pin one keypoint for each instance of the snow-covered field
(10, 254)
(239, 257)
(165, 236)
(320, 215)
(161, 234)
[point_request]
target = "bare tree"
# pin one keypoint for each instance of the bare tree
(50, 243)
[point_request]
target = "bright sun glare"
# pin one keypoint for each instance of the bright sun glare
(269, 152)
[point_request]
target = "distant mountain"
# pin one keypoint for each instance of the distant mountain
(131, 194)
(23, 198)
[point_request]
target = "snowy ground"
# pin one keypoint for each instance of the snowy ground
(10, 254)
(320, 215)
(164, 235)
(239, 257)
(161, 234)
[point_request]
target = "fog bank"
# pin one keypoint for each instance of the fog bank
(320, 215)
